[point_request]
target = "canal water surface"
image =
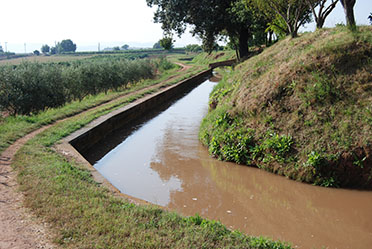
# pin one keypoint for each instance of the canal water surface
(163, 162)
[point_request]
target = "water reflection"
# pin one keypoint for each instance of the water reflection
(164, 163)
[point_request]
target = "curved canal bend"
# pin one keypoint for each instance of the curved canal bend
(163, 162)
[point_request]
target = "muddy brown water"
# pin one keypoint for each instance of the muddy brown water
(163, 162)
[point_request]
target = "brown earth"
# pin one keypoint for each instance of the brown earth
(18, 228)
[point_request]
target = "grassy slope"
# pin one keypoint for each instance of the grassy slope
(86, 215)
(205, 58)
(301, 109)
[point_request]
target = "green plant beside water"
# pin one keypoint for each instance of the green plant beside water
(299, 109)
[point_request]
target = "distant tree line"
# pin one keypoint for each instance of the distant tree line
(244, 22)
(64, 46)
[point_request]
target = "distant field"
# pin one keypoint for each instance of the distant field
(42, 58)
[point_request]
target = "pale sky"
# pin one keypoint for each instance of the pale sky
(108, 22)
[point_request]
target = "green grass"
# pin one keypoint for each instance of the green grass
(84, 214)
(15, 127)
(315, 90)
(205, 58)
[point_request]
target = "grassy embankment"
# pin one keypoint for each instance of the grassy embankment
(204, 59)
(86, 215)
(302, 109)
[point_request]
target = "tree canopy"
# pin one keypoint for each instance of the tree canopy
(209, 19)
(66, 46)
(243, 22)
(166, 43)
(45, 49)
(295, 13)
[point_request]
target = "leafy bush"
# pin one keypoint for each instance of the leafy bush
(163, 64)
(33, 87)
(30, 87)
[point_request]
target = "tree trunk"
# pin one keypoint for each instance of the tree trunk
(320, 23)
(293, 31)
(243, 43)
(349, 12)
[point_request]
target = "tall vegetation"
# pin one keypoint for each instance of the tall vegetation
(295, 13)
(166, 43)
(32, 87)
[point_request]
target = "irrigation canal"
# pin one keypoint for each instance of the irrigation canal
(162, 161)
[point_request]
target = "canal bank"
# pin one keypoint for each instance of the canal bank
(256, 202)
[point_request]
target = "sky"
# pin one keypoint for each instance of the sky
(108, 22)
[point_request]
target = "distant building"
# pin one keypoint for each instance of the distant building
(1, 49)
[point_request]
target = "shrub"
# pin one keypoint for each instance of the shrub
(33, 87)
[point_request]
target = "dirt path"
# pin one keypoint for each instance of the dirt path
(19, 229)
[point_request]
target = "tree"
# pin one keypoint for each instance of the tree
(45, 49)
(275, 23)
(53, 50)
(295, 13)
(323, 11)
(349, 13)
(370, 18)
(157, 45)
(66, 46)
(37, 52)
(125, 47)
(210, 19)
(166, 43)
(278, 26)
(116, 48)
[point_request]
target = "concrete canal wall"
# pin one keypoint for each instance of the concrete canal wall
(92, 134)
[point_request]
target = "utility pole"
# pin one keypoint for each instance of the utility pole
(99, 47)
(25, 49)
(6, 48)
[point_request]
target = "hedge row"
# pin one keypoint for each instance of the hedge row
(32, 87)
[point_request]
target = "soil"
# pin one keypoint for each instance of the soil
(19, 228)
